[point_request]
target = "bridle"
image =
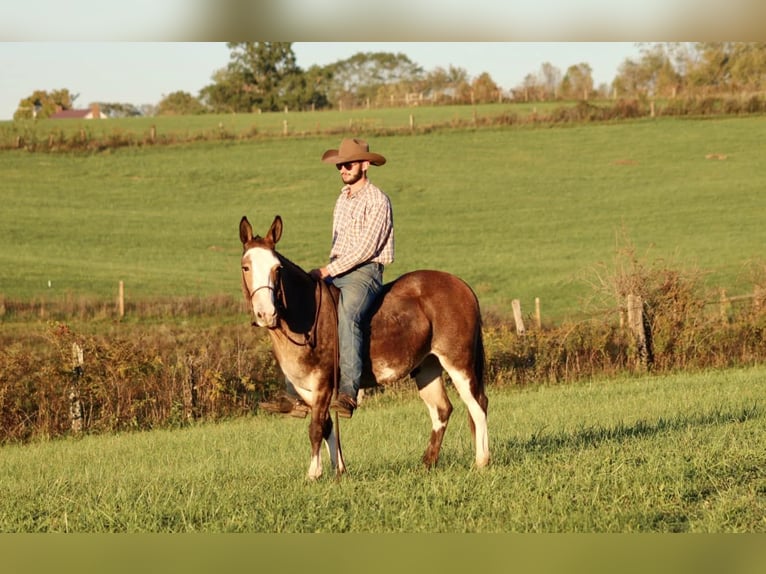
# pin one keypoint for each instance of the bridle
(280, 303)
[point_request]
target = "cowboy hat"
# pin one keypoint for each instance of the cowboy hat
(352, 150)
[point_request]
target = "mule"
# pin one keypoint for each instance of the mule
(424, 322)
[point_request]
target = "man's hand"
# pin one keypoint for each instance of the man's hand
(320, 274)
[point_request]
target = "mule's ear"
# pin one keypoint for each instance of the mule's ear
(275, 231)
(245, 230)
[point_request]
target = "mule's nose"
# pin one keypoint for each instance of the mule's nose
(264, 319)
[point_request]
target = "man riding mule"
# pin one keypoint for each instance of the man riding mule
(419, 325)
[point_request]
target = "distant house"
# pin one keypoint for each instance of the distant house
(93, 112)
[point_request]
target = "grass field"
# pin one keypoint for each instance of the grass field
(681, 453)
(517, 212)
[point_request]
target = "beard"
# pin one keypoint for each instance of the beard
(352, 177)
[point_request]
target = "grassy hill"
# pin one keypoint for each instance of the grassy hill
(518, 212)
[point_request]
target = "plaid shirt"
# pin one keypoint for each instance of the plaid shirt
(362, 229)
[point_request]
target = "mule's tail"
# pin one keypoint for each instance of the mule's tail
(479, 368)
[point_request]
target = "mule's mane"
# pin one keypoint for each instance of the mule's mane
(292, 267)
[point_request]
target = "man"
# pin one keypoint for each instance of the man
(362, 244)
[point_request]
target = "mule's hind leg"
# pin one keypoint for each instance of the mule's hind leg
(434, 395)
(472, 393)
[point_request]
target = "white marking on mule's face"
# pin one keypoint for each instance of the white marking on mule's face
(257, 266)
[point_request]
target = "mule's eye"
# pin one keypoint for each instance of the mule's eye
(245, 268)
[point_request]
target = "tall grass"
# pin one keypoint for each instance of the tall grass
(680, 453)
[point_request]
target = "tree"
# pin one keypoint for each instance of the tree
(484, 89)
(229, 93)
(42, 104)
(544, 85)
(446, 85)
(179, 103)
(577, 83)
(359, 78)
(729, 66)
(317, 84)
(748, 66)
(269, 75)
(549, 80)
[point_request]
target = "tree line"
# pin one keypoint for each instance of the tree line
(264, 77)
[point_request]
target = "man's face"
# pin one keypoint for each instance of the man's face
(352, 171)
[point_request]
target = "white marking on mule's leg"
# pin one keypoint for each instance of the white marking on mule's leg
(315, 468)
(332, 452)
(462, 383)
(434, 395)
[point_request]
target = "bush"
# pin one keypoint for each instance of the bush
(143, 376)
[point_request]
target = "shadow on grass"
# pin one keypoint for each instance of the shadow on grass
(591, 437)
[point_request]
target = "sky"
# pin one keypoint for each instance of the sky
(143, 72)
(138, 51)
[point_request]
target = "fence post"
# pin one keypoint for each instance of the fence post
(639, 325)
(538, 316)
(284, 128)
(190, 389)
(412, 122)
(516, 304)
(121, 300)
(725, 305)
(759, 294)
(75, 406)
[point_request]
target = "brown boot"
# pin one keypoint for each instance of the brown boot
(344, 405)
(284, 404)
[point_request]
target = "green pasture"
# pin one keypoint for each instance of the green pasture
(680, 453)
(519, 212)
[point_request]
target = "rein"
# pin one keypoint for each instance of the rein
(310, 338)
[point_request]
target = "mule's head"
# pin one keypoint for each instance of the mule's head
(260, 269)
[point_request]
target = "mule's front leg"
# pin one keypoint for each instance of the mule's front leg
(316, 433)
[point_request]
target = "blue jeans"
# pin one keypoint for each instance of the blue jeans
(358, 290)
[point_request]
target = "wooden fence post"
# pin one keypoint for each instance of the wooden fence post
(516, 304)
(412, 122)
(121, 300)
(538, 316)
(190, 389)
(759, 295)
(725, 306)
(75, 406)
(639, 326)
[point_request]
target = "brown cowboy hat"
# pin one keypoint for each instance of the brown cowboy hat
(352, 150)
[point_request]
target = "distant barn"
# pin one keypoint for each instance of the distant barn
(93, 112)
